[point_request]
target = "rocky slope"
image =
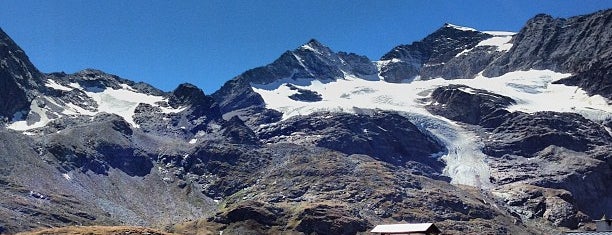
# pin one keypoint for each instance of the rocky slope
(19, 79)
(313, 60)
(427, 57)
(580, 45)
(324, 142)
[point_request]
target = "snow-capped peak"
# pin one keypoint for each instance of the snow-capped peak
(108, 97)
(316, 46)
(462, 28)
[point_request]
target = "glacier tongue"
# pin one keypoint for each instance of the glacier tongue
(466, 164)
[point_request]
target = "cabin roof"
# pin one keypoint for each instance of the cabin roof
(404, 228)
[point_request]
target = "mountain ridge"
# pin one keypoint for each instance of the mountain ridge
(324, 142)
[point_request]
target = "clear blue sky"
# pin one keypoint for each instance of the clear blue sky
(206, 43)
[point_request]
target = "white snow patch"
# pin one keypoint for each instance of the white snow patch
(193, 141)
(72, 109)
(465, 161)
(29, 133)
(168, 110)
(35, 109)
(66, 176)
(467, 90)
(308, 47)
(52, 84)
(500, 41)
(463, 28)
(127, 87)
(122, 102)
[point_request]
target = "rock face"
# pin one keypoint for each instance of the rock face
(19, 79)
(554, 205)
(552, 150)
(526, 134)
(385, 136)
(565, 45)
(310, 189)
(89, 175)
(596, 78)
(468, 105)
(312, 61)
(408, 61)
(580, 45)
(74, 151)
(304, 95)
(98, 146)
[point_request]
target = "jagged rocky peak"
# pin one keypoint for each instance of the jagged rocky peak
(463, 28)
(563, 45)
(325, 64)
(186, 94)
(348, 62)
(200, 106)
(406, 61)
(20, 81)
(311, 61)
(95, 80)
(439, 46)
(316, 46)
(13, 57)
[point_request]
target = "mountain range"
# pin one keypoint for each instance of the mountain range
(484, 132)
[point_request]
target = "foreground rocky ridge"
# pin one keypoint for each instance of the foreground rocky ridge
(191, 163)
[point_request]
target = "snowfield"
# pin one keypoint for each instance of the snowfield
(500, 40)
(533, 90)
(122, 102)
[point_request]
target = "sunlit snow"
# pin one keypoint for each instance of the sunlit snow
(500, 40)
(35, 109)
(122, 102)
(66, 176)
(52, 84)
(532, 90)
(308, 47)
(463, 28)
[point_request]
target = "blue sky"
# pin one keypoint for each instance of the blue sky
(206, 43)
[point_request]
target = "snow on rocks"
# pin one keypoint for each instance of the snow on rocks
(500, 40)
(533, 90)
(121, 101)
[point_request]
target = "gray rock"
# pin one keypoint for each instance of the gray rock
(304, 95)
(564, 45)
(312, 61)
(408, 61)
(469, 105)
(385, 136)
(20, 81)
(595, 78)
(526, 134)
